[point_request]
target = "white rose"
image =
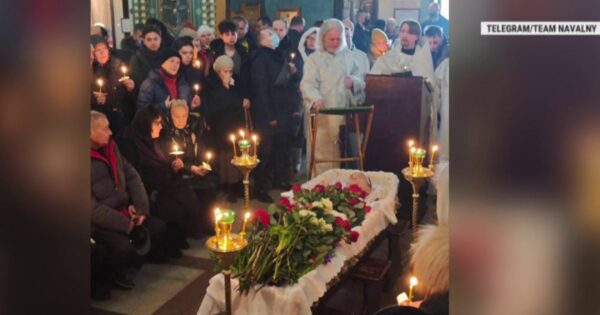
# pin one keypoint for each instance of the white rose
(304, 213)
(317, 204)
(327, 227)
(327, 203)
(314, 221)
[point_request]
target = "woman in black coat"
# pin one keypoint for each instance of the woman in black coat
(175, 202)
(224, 112)
(165, 84)
(191, 72)
(189, 133)
(116, 100)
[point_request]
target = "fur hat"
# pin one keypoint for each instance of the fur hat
(206, 29)
(222, 63)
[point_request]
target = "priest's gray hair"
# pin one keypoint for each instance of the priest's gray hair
(431, 259)
(328, 25)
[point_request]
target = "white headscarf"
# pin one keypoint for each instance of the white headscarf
(301, 47)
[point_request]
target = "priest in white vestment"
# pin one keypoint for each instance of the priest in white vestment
(332, 79)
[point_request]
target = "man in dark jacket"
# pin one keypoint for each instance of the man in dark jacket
(245, 38)
(119, 205)
(362, 32)
(271, 112)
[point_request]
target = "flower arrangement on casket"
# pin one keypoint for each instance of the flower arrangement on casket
(294, 236)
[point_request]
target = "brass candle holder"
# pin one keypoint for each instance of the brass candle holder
(417, 175)
(225, 245)
(245, 163)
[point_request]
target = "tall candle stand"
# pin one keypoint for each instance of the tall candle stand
(417, 175)
(245, 163)
(226, 245)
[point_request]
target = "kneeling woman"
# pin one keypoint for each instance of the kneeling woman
(175, 203)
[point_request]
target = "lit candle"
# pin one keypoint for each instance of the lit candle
(124, 70)
(413, 282)
(411, 161)
(208, 157)
(242, 134)
(232, 137)
(218, 216)
(100, 84)
(255, 139)
(292, 56)
(246, 217)
(411, 143)
(434, 148)
(197, 64)
(197, 88)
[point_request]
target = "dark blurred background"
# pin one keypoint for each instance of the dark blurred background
(525, 174)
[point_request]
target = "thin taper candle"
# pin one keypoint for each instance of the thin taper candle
(232, 137)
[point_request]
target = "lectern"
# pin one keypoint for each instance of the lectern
(402, 111)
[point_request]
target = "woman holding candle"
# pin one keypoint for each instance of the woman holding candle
(175, 202)
(192, 75)
(224, 110)
(166, 84)
(206, 35)
(189, 132)
(116, 99)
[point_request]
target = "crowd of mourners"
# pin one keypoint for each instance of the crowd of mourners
(161, 94)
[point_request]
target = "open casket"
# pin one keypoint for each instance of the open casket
(298, 298)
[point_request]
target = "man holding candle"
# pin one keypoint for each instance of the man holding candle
(115, 97)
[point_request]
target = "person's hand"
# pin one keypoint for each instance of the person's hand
(318, 104)
(132, 211)
(100, 98)
(177, 165)
(348, 82)
(273, 123)
(168, 101)
(246, 103)
(414, 304)
(200, 171)
(293, 68)
(196, 102)
(129, 85)
(139, 219)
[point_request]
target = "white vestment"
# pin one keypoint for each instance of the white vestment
(323, 79)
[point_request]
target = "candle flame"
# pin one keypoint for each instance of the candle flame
(413, 281)
(232, 137)
(208, 155)
(242, 134)
(434, 148)
(124, 69)
(247, 216)
(412, 149)
(254, 138)
(197, 63)
(100, 82)
(411, 143)
(196, 86)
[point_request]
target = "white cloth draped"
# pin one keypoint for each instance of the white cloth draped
(298, 298)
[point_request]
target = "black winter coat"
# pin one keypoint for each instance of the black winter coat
(270, 102)
(217, 47)
(223, 112)
(110, 195)
(142, 63)
(120, 103)
(153, 91)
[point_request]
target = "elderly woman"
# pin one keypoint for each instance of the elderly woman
(206, 34)
(161, 172)
(332, 79)
(188, 132)
(116, 100)
(165, 84)
(380, 45)
(224, 112)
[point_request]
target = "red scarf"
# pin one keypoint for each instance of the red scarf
(170, 82)
(108, 155)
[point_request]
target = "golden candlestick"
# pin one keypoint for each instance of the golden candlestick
(245, 163)
(226, 245)
(416, 179)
